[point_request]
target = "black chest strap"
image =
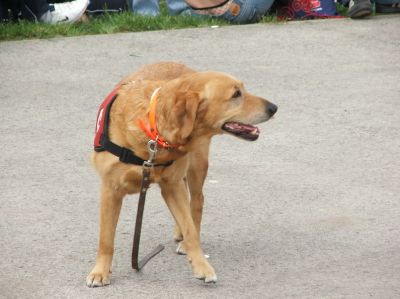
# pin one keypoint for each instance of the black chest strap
(125, 155)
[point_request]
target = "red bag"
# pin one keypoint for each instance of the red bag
(307, 9)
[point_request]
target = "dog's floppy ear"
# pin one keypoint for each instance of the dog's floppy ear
(185, 110)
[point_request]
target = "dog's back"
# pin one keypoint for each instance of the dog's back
(162, 71)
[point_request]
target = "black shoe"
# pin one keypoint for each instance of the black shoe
(359, 9)
(387, 8)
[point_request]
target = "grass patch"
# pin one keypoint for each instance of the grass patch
(342, 10)
(108, 23)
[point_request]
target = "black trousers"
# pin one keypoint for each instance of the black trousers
(106, 6)
(25, 9)
(38, 7)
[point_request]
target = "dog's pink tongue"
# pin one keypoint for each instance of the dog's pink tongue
(245, 131)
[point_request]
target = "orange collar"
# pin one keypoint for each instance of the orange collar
(152, 132)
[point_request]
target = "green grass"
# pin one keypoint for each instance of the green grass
(110, 23)
(113, 23)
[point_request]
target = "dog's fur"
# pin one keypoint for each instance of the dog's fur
(192, 107)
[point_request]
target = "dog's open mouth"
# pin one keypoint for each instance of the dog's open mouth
(244, 131)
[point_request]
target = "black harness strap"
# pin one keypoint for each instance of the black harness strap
(126, 155)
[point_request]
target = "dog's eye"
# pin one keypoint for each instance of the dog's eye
(237, 94)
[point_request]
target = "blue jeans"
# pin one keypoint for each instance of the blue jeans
(152, 7)
(249, 10)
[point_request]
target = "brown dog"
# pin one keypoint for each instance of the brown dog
(191, 108)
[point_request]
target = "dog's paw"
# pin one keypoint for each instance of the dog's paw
(96, 279)
(181, 249)
(202, 270)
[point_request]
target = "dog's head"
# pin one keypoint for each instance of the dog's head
(210, 103)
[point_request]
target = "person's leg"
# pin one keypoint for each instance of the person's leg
(262, 6)
(97, 7)
(247, 11)
(145, 7)
(176, 7)
(37, 7)
(239, 11)
(387, 6)
(4, 16)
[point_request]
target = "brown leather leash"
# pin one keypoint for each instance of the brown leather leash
(147, 166)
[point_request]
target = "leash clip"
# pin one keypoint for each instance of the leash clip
(152, 149)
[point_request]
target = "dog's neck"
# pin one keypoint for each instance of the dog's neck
(177, 112)
(151, 129)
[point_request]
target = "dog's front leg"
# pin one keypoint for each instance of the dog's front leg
(176, 197)
(111, 202)
(195, 178)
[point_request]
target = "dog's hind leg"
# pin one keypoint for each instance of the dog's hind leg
(176, 197)
(111, 201)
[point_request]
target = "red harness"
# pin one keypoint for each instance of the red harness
(102, 120)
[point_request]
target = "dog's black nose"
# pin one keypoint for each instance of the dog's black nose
(272, 108)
